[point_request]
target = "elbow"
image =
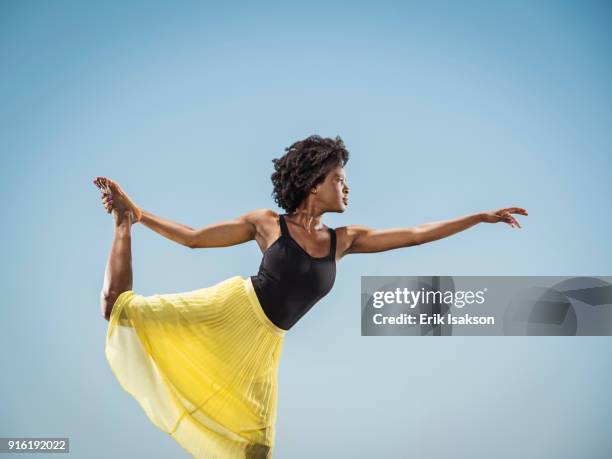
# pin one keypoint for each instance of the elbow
(190, 243)
(194, 245)
(187, 243)
(417, 238)
(107, 301)
(194, 241)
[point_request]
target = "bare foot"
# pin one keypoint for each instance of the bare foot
(117, 201)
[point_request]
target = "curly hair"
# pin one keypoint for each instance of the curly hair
(305, 165)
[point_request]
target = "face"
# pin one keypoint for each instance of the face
(333, 192)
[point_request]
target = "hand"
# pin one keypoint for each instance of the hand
(503, 215)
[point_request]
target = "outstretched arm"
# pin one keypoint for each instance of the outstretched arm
(367, 240)
(237, 231)
(176, 232)
(222, 234)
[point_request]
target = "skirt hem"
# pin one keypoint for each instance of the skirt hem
(202, 365)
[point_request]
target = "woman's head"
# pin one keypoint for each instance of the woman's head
(312, 169)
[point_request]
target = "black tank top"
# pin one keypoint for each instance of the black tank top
(290, 281)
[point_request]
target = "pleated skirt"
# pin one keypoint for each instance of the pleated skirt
(203, 365)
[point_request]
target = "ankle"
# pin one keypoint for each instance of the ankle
(122, 220)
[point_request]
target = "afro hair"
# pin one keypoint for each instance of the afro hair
(306, 164)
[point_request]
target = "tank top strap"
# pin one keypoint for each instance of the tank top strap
(332, 249)
(283, 225)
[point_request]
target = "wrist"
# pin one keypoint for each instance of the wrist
(139, 214)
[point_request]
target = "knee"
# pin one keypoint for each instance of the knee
(257, 451)
(107, 300)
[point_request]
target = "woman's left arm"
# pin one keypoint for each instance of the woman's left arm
(367, 240)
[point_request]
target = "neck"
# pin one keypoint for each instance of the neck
(307, 219)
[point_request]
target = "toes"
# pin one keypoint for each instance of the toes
(107, 188)
(100, 182)
(105, 193)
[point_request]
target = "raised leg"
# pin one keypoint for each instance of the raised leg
(118, 273)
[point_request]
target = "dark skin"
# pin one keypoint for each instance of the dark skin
(262, 225)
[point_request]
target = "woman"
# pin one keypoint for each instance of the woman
(203, 364)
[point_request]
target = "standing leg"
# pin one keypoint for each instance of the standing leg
(118, 274)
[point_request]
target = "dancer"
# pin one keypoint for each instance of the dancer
(203, 364)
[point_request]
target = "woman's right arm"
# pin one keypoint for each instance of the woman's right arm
(174, 231)
(223, 234)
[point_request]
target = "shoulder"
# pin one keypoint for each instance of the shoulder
(352, 231)
(262, 219)
(259, 215)
(346, 235)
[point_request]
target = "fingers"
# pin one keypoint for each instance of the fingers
(515, 210)
(509, 219)
(106, 194)
(504, 215)
(107, 202)
(518, 210)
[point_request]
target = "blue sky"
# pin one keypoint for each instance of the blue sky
(447, 109)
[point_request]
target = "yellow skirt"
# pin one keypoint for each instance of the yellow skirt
(203, 365)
